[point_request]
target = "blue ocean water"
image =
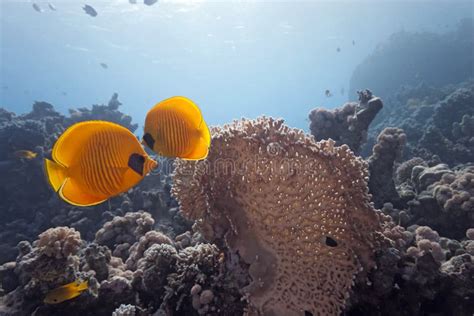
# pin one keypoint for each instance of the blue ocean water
(234, 58)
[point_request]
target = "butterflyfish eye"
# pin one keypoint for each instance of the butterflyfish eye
(149, 141)
(136, 163)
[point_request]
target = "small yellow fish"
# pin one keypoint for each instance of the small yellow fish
(66, 292)
(95, 160)
(175, 128)
(25, 154)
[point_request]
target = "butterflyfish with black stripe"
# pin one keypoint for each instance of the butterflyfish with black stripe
(175, 127)
(93, 161)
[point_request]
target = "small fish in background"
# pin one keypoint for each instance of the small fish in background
(90, 10)
(342, 91)
(5, 87)
(37, 7)
(104, 65)
(150, 2)
(353, 43)
(66, 292)
(64, 93)
(51, 6)
(93, 161)
(328, 93)
(338, 49)
(132, 1)
(25, 154)
(175, 128)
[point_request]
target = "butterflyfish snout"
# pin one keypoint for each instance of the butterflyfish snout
(95, 160)
(175, 128)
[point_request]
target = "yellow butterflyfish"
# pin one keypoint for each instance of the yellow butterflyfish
(96, 160)
(66, 292)
(175, 128)
(25, 154)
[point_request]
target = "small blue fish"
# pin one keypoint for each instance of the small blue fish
(90, 10)
(150, 2)
(37, 7)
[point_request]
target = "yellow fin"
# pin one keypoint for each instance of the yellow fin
(200, 150)
(71, 192)
(205, 133)
(201, 147)
(82, 285)
(56, 174)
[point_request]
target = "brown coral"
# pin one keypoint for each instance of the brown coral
(347, 125)
(295, 210)
(59, 242)
(138, 249)
(388, 149)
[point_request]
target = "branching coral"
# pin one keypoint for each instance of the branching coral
(150, 238)
(121, 232)
(296, 211)
(347, 125)
(59, 242)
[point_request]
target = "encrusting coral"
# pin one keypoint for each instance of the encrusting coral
(297, 213)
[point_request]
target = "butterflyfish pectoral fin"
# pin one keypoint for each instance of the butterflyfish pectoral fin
(72, 193)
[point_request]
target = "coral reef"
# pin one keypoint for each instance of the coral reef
(157, 278)
(381, 166)
(296, 212)
(29, 206)
(408, 58)
(441, 198)
(438, 128)
(272, 222)
(419, 275)
(347, 125)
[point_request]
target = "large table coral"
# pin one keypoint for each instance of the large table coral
(297, 213)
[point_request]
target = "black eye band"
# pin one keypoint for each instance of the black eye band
(149, 141)
(136, 163)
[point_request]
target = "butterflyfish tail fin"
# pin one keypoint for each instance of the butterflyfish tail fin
(83, 285)
(56, 174)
